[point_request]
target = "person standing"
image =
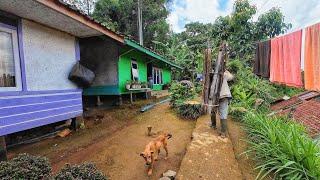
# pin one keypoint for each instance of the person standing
(224, 100)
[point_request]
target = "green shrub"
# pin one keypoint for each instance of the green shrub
(83, 171)
(180, 93)
(189, 110)
(198, 86)
(247, 88)
(25, 167)
(281, 147)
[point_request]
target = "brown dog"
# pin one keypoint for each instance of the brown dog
(152, 150)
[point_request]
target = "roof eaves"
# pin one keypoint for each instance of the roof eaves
(66, 9)
(151, 53)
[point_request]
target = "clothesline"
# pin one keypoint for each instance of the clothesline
(284, 58)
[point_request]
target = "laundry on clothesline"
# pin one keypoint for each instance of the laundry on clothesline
(262, 59)
(285, 59)
(312, 58)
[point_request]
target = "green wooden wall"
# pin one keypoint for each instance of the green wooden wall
(124, 66)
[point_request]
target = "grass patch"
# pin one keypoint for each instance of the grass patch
(281, 148)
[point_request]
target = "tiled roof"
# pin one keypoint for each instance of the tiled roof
(304, 109)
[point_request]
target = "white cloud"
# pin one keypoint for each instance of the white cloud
(204, 11)
(298, 12)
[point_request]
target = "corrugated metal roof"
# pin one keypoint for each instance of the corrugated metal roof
(150, 52)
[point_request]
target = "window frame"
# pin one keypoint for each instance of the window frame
(134, 61)
(16, 57)
(157, 73)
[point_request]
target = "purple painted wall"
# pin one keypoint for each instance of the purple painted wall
(23, 112)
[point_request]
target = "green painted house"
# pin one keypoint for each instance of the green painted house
(116, 64)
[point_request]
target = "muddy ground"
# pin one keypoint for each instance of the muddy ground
(114, 143)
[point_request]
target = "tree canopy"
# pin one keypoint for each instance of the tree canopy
(121, 15)
(238, 29)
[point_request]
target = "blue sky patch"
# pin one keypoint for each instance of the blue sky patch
(223, 4)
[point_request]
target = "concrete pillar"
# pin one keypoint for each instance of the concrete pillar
(99, 103)
(3, 149)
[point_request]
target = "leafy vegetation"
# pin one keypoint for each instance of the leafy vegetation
(25, 166)
(282, 147)
(121, 15)
(83, 171)
(250, 92)
(180, 93)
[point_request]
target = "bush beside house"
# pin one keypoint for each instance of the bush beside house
(182, 95)
(26, 166)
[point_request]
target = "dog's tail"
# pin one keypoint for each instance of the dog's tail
(168, 135)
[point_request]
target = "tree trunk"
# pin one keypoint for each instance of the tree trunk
(207, 67)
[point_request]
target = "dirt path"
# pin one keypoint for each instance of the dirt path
(209, 156)
(117, 154)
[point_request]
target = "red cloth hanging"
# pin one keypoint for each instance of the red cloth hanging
(312, 58)
(285, 61)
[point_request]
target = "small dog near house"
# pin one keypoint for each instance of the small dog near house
(152, 150)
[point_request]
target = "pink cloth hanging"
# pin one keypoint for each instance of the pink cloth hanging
(312, 58)
(285, 61)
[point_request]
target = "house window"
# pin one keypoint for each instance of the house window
(157, 76)
(134, 70)
(10, 77)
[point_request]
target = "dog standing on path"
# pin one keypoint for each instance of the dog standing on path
(152, 150)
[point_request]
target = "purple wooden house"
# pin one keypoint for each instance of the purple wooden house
(38, 48)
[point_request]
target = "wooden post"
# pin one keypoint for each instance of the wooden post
(207, 68)
(131, 100)
(3, 149)
(120, 100)
(75, 124)
(149, 130)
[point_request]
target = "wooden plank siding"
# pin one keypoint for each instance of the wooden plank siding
(21, 112)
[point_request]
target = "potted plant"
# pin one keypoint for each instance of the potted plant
(135, 84)
(138, 85)
(128, 84)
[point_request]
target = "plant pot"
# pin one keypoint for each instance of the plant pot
(128, 86)
(138, 86)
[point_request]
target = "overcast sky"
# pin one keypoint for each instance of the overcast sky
(298, 12)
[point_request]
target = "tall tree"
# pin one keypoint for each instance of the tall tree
(271, 24)
(121, 15)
